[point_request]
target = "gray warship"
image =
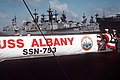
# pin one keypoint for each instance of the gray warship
(51, 26)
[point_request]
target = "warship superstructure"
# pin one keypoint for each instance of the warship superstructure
(52, 25)
(111, 22)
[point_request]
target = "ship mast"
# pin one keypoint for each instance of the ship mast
(14, 22)
(35, 17)
(96, 15)
(92, 20)
(84, 19)
(50, 14)
(63, 18)
(56, 15)
(43, 18)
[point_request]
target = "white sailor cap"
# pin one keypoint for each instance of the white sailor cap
(114, 30)
(106, 29)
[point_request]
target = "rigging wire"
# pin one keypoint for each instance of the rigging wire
(46, 40)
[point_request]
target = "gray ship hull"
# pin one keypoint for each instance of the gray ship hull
(75, 30)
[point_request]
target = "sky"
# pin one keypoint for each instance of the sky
(74, 9)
